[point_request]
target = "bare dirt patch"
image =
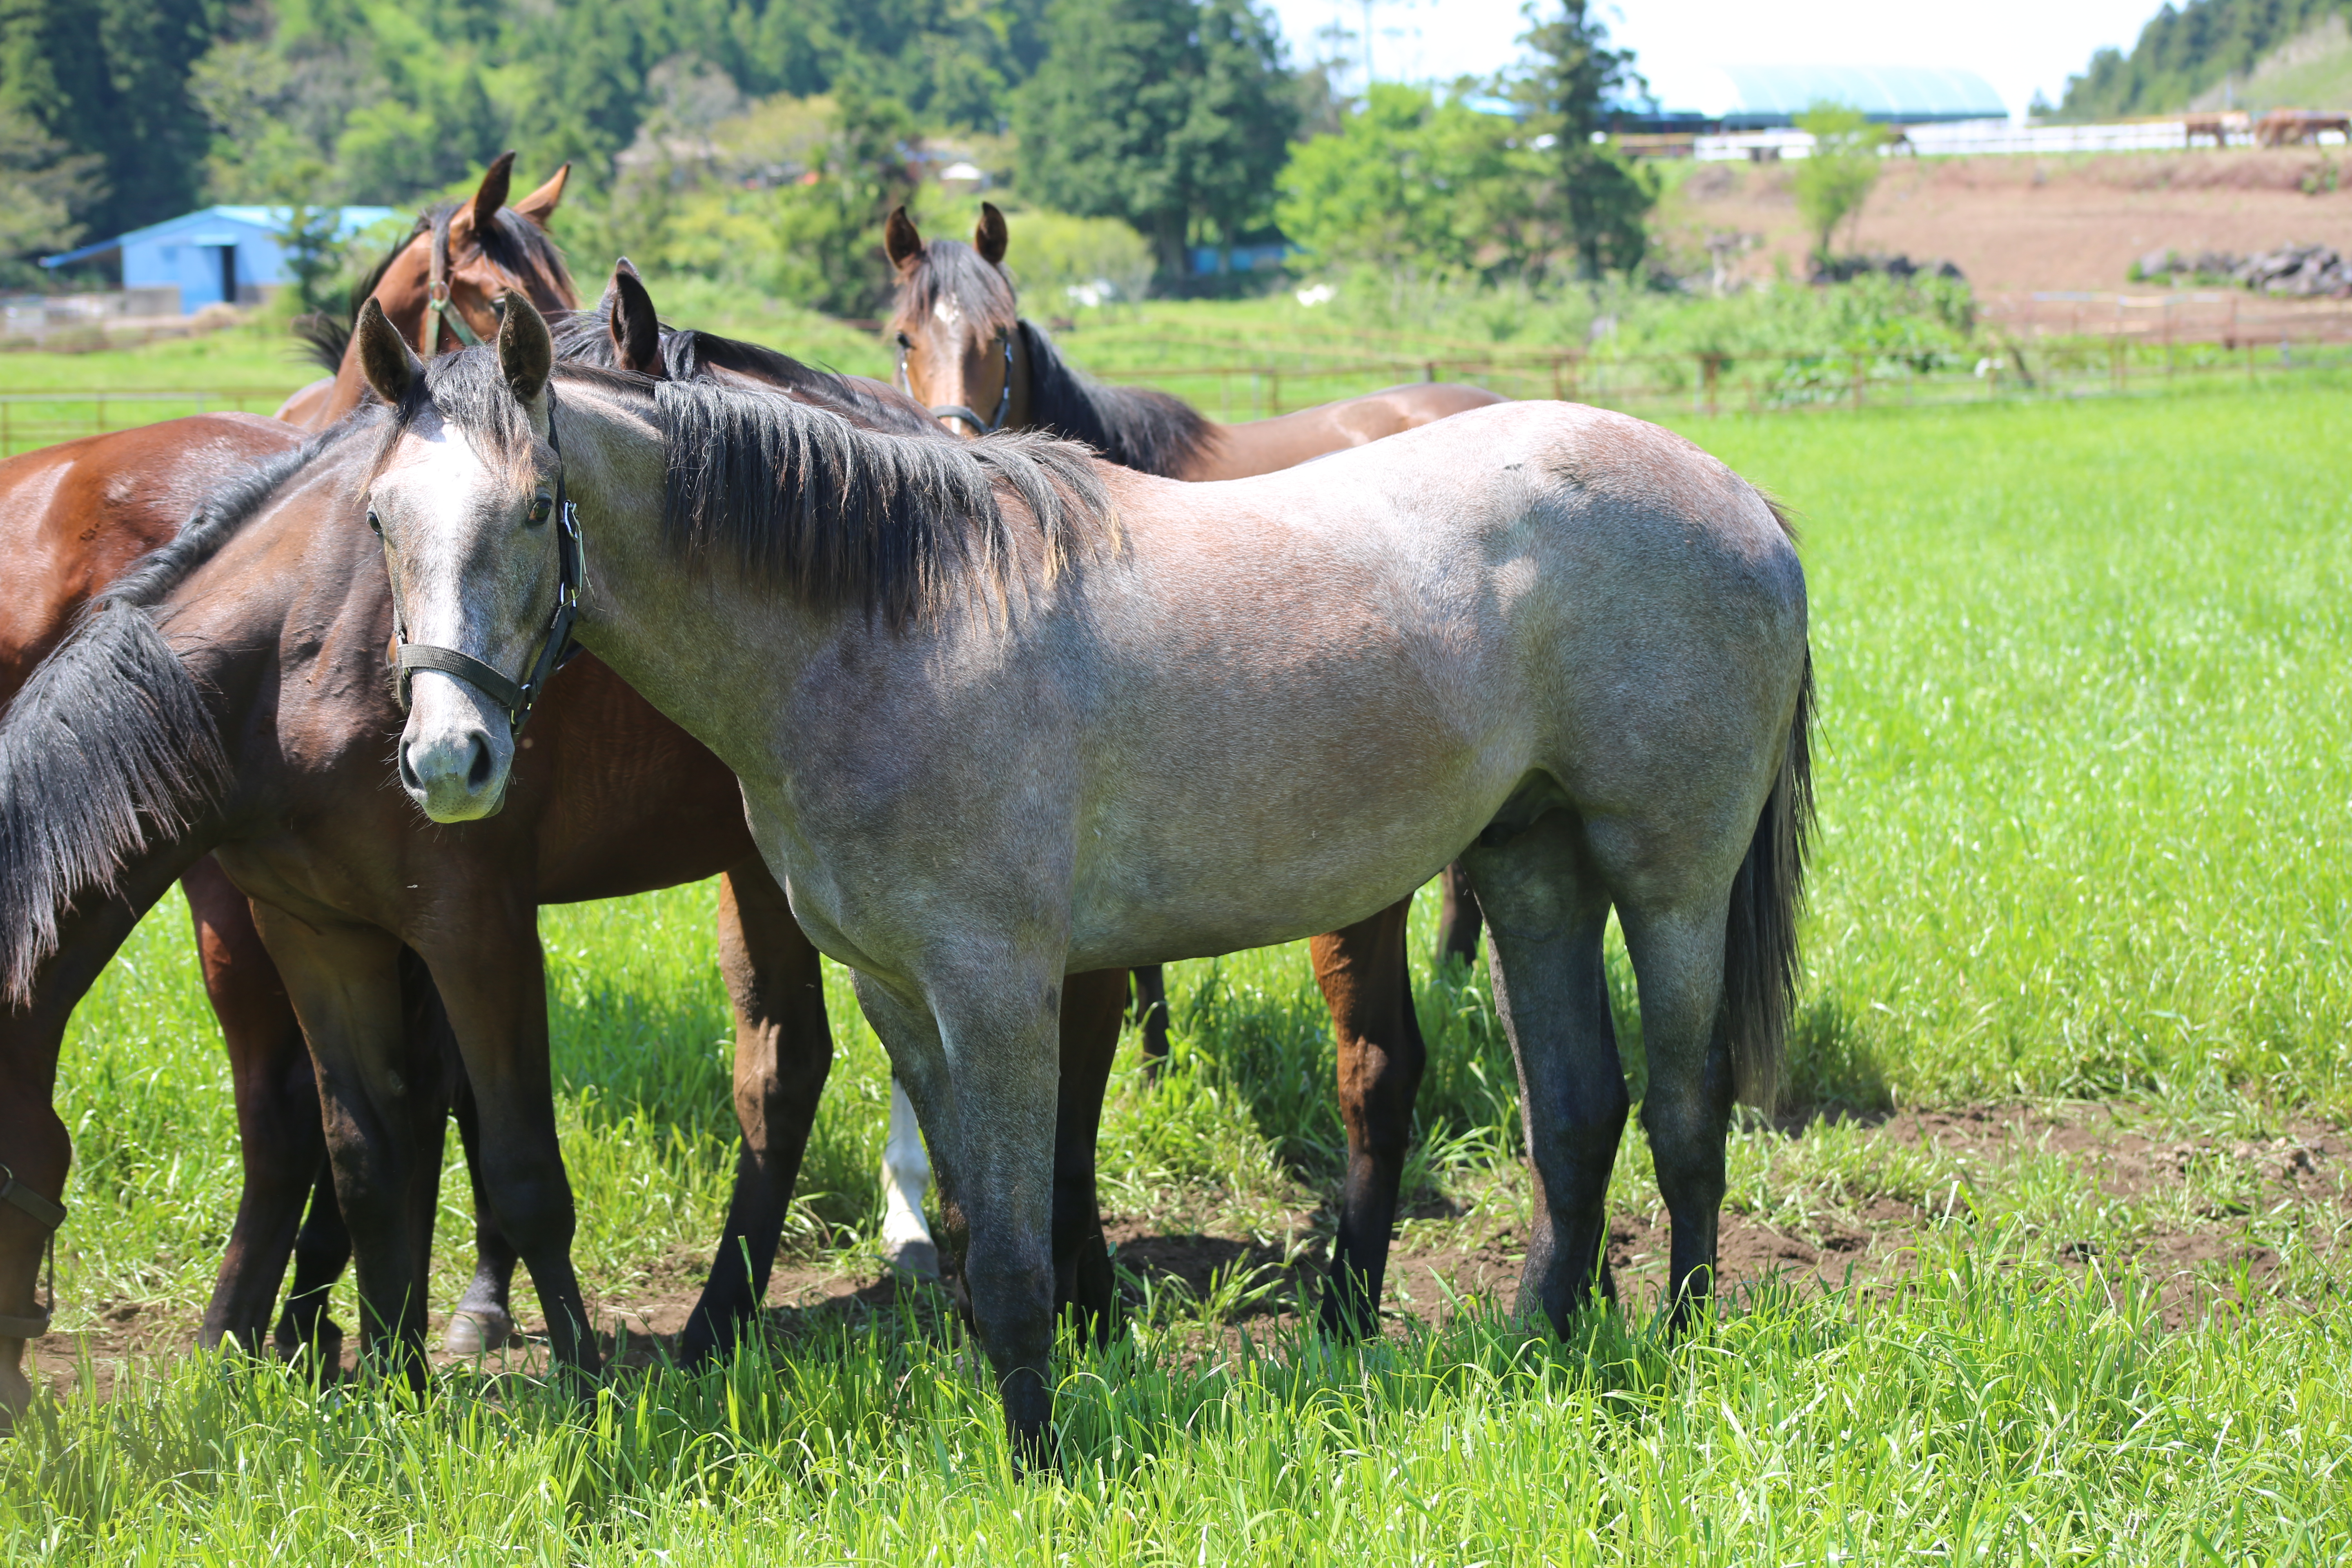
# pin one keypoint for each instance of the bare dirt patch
(2205, 1215)
(2018, 225)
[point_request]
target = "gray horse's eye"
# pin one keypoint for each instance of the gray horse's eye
(542, 508)
(375, 523)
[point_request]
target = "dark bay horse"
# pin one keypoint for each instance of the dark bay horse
(1561, 645)
(255, 725)
(440, 285)
(72, 517)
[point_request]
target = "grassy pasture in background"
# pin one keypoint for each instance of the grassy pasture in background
(2084, 794)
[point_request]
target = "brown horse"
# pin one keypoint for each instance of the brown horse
(440, 286)
(71, 518)
(276, 601)
(965, 350)
(963, 347)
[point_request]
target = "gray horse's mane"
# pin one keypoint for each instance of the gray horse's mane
(802, 497)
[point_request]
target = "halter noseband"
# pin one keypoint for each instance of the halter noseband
(957, 410)
(570, 572)
(438, 309)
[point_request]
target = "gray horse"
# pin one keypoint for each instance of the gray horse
(1563, 645)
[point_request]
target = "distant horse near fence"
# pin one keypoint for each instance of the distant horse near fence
(2299, 127)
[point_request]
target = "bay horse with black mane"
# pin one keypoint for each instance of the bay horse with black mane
(1564, 646)
(442, 284)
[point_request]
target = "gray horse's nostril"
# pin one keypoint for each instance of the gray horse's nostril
(478, 774)
(408, 779)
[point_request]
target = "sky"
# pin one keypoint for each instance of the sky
(2018, 46)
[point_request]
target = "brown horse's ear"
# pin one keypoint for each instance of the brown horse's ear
(988, 234)
(637, 331)
(496, 180)
(902, 242)
(390, 366)
(540, 205)
(526, 353)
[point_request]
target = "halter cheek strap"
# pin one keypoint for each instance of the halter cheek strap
(518, 697)
(49, 1214)
(957, 410)
(438, 309)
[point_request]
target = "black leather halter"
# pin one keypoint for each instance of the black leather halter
(957, 410)
(438, 309)
(571, 574)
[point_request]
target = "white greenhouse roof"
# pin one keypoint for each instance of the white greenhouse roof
(1757, 96)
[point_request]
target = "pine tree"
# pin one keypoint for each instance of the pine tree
(1599, 199)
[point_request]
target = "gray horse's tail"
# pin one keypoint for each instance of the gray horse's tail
(1759, 949)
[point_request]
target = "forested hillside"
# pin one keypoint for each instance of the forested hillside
(2185, 53)
(138, 109)
(759, 144)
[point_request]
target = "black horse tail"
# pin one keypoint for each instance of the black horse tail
(324, 339)
(1759, 950)
(108, 745)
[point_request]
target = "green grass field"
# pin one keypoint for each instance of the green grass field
(2083, 799)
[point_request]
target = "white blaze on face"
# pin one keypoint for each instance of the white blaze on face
(447, 514)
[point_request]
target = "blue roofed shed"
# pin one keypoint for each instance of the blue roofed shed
(219, 254)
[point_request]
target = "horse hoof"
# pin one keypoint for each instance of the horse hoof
(474, 1330)
(325, 1340)
(915, 1260)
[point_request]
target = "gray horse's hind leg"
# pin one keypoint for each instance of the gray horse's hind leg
(1546, 910)
(984, 1077)
(1677, 955)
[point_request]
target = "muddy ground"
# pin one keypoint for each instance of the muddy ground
(2207, 1218)
(2018, 225)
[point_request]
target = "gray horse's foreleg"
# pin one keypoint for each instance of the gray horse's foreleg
(1678, 957)
(1545, 911)
(983, 1072)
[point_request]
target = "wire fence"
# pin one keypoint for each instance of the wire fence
(29, 420)
(2046, 345)
(1716, 382)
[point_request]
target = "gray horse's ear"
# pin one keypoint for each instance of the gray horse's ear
(988, 234)
(636, 330)
(540, 205)
(390, 366)
(526, 353)
(496, 181)
(902, 242)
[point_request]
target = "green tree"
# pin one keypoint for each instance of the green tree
(1836, 176)
(42, 186)
(1596, 200)
(314, 256)
(1168, 114)
(828, 231)
(1407, 182)
(109, 79)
